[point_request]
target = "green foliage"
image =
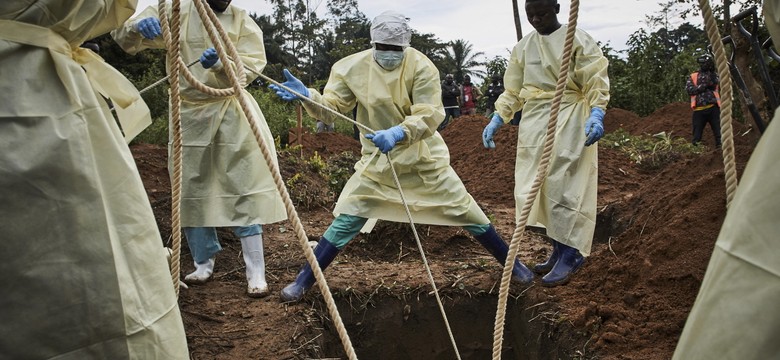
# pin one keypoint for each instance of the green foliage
(155, 97)
(156, 133)
(280, 115)
(317, 163)
(496, 66)
(460, 59)
(431, 46)
(339, 169)
(650, 152)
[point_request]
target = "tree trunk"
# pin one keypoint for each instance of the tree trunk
(518, 25)
(743, 58)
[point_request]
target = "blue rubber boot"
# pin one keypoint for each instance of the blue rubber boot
(546, 266)
(499, 249)
(569, 262)
(325, 252)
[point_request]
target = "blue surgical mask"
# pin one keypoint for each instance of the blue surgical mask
(388, 59)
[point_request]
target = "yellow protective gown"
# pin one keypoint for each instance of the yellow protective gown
(225, 179)
(409, 96)
(566, 204)
(84, 276)
(736, 314)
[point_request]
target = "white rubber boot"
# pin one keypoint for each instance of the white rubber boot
(201, 274)
(252, 247)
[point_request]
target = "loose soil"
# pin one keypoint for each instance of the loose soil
(655, 232)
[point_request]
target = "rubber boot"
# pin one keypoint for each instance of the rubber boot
(499, 249)
(252, 247)
(569, 262)
(201, 274)
(325, 252)
(546, 266)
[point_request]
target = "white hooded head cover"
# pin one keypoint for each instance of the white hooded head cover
(391, 28)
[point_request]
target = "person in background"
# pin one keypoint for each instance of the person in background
(494, 90)
(405, 123)
(83, 265)
(450, 97)
(566, 202)
(225, 179)
(702, 86)
(735, 315)
(469, 94)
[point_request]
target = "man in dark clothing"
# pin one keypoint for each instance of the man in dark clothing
(495, 88)
(450, 93)
(702, 86)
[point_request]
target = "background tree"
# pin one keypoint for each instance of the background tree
(352, 32)
(518, 23)
(461, 60)
(496, 66)
(743, 57)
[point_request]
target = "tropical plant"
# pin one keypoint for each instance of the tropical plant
(461, 60)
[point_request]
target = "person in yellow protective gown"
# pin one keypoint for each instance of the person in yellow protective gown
(736, 314)
(566, 203)
(225, 180)
(397, 92)
(84, 273)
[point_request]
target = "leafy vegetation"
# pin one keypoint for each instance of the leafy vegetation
(651, 152)
(650, 73)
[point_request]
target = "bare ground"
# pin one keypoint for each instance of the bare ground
(655, 233)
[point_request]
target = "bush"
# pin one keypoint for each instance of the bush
(156, 133)
(281, 116)
(651, 152)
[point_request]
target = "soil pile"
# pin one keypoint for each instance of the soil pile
(655, 233)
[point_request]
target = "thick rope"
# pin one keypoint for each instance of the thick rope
(171, 35)
(403, 201)
(727, 132)
(541, 175)
(238, 81)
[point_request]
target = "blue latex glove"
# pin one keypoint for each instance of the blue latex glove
(209, 58)
(594, 127)
(385, 140)
(490, 130)
(293, 83)
(149, 27)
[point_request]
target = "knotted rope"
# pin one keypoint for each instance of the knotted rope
(238, 81)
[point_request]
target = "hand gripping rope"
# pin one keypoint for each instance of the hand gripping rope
(238, 79)
(172, 37)
(403, 200)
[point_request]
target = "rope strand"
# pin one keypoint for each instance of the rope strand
(727, 133)
(541, 175)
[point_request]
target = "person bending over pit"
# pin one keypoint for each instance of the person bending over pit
(397, 92)
(566, 204)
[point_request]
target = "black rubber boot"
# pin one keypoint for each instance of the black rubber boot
(569, 262)
(546, 266)
(499, 249)
(325, 252)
